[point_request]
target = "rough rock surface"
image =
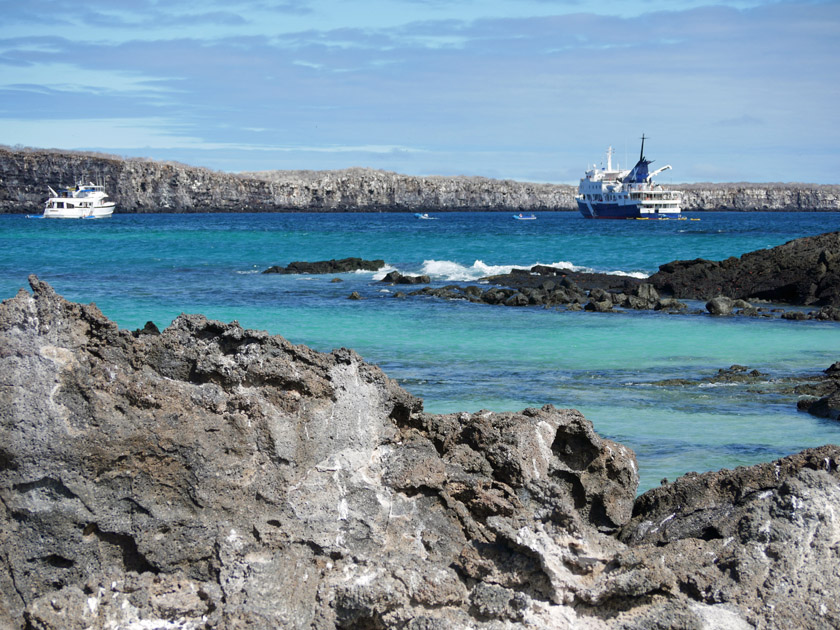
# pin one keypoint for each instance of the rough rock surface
(805, 271)
(823, 398)
(139, 185)
(208, 476)
(768, 533)
(766, 197)
(343, 265)
(802, 271)
(395, 277)
(557, 287)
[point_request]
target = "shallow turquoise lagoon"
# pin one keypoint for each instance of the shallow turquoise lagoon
(459, 356)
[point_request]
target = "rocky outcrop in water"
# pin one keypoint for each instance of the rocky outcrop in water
(395, 277)
(344, 265)
(210, 476)
(556, 287)
(823, 398)
(816, 393)
(804, 271)
(139, 185)
(563, 293)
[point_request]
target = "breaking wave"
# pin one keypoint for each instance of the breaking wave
(455, 272)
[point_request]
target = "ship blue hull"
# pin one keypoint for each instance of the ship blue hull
(616, 211)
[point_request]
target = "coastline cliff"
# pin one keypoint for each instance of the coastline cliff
(146, 186)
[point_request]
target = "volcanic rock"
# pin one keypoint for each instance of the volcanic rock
(344, 265)
(214, 476)
(395, 277)
(210, 476)
(826, 402)
(540, 274)
(804, 271)
(720, 305)
(756, 534)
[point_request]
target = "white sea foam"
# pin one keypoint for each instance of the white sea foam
(455, 272)
(449, 270)
(378, 275)
(641, 275)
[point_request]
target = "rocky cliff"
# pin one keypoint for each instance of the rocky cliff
(145, 186)
(767, 197)
(208, 476)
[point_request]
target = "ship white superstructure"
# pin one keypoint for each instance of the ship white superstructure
(612, 193)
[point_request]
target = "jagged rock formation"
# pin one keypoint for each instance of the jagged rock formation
(823, 398)
(210, 476)
(146, 186)
(802, 271)
(328, 266)
(395, 277)
(725, 542)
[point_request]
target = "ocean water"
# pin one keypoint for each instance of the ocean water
(459, 356)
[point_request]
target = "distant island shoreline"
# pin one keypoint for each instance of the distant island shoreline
(140, 185)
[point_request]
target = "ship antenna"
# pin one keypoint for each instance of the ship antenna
(642, 152)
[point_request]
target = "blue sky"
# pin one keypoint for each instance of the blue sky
(533, 90)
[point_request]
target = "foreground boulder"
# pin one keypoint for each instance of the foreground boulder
(209, 476)
(805, 271)
(762, 538)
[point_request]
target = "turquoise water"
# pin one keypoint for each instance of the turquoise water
(459, 356)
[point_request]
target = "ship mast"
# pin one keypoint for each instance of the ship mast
(642, 152)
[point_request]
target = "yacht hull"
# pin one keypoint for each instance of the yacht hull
(79, 213)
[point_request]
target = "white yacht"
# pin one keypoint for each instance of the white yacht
(607, 193)
(82, 201)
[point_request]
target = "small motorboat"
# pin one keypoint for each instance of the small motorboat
(524, 217)
(423, 215)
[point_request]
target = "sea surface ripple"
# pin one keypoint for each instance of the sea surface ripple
(460, 356)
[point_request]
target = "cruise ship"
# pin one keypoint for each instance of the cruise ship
(607, 193)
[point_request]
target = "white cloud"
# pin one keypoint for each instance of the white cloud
(505, 96)
(69, 77)
(115, 133)
(149, 133)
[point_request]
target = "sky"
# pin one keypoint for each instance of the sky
(530, 90)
